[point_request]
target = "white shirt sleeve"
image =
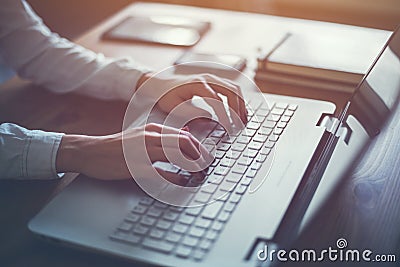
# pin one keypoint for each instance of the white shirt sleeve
(37, 54)
(27, 154)
(43, 57)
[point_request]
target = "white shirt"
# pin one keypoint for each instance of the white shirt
(28, 47)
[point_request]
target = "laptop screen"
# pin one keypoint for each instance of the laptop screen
(378, 94)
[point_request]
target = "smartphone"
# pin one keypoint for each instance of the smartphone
(205, 61)
(169, 30)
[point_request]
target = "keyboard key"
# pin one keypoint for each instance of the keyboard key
(132, 217)
(133, 239)
(265, 151)
(255, 145)
(148, 221)
(235, 198)
(233, 154)
(221, 170)
(211, 141)
(161, 205)
(186, 219)
(251, 173)
(209, 147)
(217, 133)
(269, 144)
(209, 188)
(260, 138)
(250, 153)
(227, 186)
(274, 118)
(214, 163)
(183, 251)
(281, 105)
(265, 131)
(238, 147)
(125, 226)
(156, 245)
(139, 209)
(211, 210)
(281, 125)
(197, 231)
(277, 111)
(193, 211)
(170, 215)
(292, 107)
(240, 169)
(246, 181)
(205, 244)
(253, 125)
(243, 139)
(225, 162)
(190, 241)
(157, 234)
(203, 222)
(211, 234)
(246, 161)
(217, 226)
(261, 158)
(262, 112)
(223, 147)
(289, 113)
(285, 119)
(234, 177)
(215, 179)
(269, 124)
(228, 139)
(146, 201)
(141, 229)
(154, 212)
(180, 228)
(222, 196)
(248, 132)
(202, 197)
(229, 207)
(198, 255)
(240, 189)
(274, 138)
(163, 224)
(219, 154)
(173, 237)
(256, 166)
(223, 217)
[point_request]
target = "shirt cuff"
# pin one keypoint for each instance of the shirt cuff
(39, 155)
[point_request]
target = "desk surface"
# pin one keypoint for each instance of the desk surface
(232, 32)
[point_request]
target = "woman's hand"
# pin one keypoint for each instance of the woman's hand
(103, 157)
(174, 90)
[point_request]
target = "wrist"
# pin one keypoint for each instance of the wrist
(71, 153)
(143, 79)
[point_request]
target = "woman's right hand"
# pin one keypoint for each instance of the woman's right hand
(103, 157)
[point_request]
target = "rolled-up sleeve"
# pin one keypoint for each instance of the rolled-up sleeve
(27, 153)
(29, 47)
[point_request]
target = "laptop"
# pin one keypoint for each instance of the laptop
(288, 145)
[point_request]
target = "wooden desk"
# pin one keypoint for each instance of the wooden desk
(237, 33)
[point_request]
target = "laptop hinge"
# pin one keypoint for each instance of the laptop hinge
(334, 126)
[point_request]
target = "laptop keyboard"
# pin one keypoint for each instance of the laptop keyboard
(189, 232)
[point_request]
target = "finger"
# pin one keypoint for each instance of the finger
(232, 92)
(215, 101)
(172, 177)
(163, 129)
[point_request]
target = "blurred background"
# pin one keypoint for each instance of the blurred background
(71, 18)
